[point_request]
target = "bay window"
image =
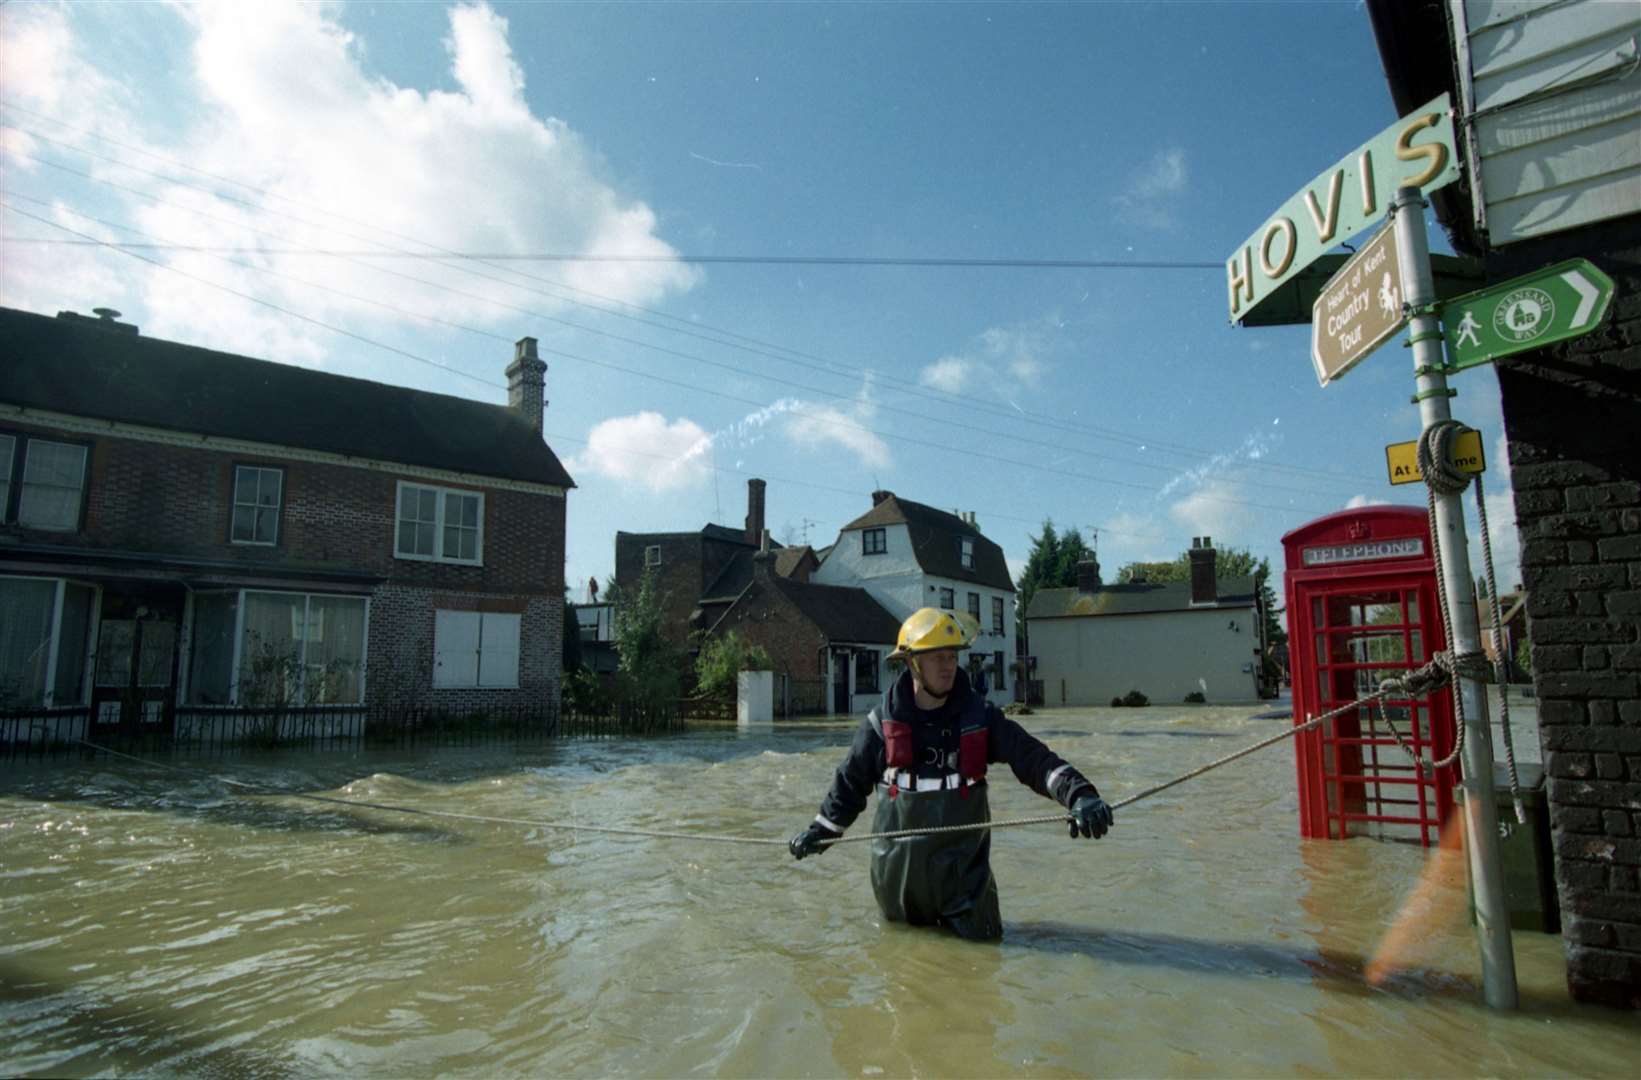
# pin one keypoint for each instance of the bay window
(45, 628)
(277, 648)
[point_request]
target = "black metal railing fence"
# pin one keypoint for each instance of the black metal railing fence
(43, 733)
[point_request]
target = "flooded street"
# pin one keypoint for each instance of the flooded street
(156, 923)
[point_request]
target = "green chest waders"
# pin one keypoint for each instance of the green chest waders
(941, 879)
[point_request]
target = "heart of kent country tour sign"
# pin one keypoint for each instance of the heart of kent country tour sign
(1558, 302)
(1402, 459)
(1359, 309)
(1416, 151)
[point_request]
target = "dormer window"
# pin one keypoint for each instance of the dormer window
(874, 541)
(965, 552)
(652, 555)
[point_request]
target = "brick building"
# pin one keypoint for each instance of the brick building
(184, 527)
(828, 641)
(1546, 96)
(693, 571)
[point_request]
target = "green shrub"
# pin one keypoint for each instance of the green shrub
(1116, 703)
(1524, 657)
(722, 658)
(1195, 697)
(1134, 699)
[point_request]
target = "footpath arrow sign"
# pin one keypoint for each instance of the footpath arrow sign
(1563, 301)
(1359, 308)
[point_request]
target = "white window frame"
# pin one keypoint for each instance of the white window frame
(452, 680)
(652, 555)
(278, 507)
(185, 640)
(20, 480)
(965, 552)
(440, 494)
(5, 473)
(54, 648)
(946, 597)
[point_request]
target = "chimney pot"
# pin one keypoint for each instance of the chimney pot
(1088, 574)
(880, 496)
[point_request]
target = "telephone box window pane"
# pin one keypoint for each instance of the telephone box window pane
(1419, 655)
(1412, 608)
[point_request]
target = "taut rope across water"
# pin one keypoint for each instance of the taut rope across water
(1431, 674)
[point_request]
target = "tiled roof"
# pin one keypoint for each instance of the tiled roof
(935, 535)
(79, 368)
(843, 613)
(1137, 599)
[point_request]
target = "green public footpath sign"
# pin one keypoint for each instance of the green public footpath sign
(1563, 301)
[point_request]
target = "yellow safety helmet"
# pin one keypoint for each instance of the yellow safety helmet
(930, 628)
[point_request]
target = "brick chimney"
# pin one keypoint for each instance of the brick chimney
(1088, 574)
(763, 560)
(527, 383)
(879, 496)
(755, 513)
(1204, 586)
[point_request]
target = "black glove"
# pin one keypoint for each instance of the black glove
(812, 840)
(1089, 814)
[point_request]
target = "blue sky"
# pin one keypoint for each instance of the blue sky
(298, 136)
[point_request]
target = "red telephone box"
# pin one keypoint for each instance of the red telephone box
(1362, 605)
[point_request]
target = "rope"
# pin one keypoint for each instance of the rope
(536, 823)
(1060, 818)
(1441, 476)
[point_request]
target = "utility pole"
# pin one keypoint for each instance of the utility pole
(1481, 829)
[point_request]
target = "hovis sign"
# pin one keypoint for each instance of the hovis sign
(1360, 307)
(1416, 151)
(1402, 459)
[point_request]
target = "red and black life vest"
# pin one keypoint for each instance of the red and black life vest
(900, 753)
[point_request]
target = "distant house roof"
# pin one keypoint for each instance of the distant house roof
(842, 612)
(788, 559)
(1137, 599)
(78, 367)
(935, 535)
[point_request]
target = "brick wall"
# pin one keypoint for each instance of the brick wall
(764, 616)
(1572, 414)
(689, 563)
(178, 501)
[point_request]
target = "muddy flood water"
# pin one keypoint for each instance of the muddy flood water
(155, 922)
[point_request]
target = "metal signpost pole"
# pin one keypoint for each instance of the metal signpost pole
(1498, 960)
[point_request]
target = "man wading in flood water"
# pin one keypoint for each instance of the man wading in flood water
(925, 746)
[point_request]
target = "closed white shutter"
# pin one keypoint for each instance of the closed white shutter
(455, 648)
(499, 650)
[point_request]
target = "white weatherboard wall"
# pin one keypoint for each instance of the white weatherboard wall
(1161, 654)
(1554, 97)
(895, 580)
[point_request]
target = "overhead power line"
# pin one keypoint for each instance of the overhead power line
(680, 326)
(832, 421)
(675, 257)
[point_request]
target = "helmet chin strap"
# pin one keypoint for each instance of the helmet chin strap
(917, 676)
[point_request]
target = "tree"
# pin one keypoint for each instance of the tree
(722, 658)
(649, 669)
(570, 654)
(1052, 563)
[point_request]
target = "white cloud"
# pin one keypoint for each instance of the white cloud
(647, 450)
(1154, 191)
(1253, 447)
(1356, 502)
(1003, 359)
(334, 157)
(817, 425)
(949, 373)
(1216, 510)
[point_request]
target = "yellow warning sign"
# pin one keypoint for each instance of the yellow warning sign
(1403, 458)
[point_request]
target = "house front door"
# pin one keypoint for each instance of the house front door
(135, 683)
